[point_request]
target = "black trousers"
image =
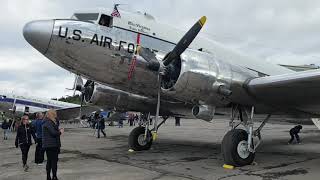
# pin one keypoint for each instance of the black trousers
(102, 130)
(25, 150)
(39, 154)
(52, 160)
(294, 135)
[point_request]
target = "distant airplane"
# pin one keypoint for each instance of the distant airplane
(20, 104)
(155, 64)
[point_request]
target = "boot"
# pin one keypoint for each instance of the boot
(48, 176)
(26, 167)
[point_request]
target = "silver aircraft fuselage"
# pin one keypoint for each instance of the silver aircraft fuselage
(107, 55)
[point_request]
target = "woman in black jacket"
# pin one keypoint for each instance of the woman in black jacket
(23, 139)
(51, 143)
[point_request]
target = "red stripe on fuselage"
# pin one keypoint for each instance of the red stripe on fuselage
(138, 39)
(134, 59)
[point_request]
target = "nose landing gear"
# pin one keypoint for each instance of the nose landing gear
(141, 138)
(138, 141)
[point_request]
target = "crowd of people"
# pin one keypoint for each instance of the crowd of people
(97, 122)
(44, 131)
(8, 125)
(135, 119)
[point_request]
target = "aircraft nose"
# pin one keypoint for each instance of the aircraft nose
(38, 34)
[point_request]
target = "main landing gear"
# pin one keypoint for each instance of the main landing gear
(238, 148)
(141, 138)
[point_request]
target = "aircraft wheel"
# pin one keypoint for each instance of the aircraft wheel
(137, 141)
(234, 148)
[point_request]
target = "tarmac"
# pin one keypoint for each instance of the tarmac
(191, 151)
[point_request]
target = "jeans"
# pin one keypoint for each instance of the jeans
(104, 134)
(6, 133)
(52, 160)
(25, 150)
(39, 153)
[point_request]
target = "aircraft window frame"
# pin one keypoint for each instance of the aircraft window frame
(91, 17)
(108, 23)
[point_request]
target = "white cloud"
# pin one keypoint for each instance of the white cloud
(26, 71)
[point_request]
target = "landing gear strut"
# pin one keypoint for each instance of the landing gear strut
(138, 141)
(141, 138)
(237, 146)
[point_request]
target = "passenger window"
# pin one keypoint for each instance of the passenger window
(105, 20)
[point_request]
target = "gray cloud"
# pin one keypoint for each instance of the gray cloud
(283, 31)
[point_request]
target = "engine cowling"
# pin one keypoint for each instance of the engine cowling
(110, 98)
(199, 78)
(203, 112)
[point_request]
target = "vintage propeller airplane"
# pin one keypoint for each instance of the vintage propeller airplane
(158, 69)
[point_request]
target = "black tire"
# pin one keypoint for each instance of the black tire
(133, 139)
(229, 148)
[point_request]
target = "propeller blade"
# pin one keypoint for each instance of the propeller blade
(79, 83)
(81, 104)
(86, 91)
(184, 43)
(75, 85)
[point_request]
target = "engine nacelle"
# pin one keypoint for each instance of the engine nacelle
(203, 112)
(107, 97)
(199, 78)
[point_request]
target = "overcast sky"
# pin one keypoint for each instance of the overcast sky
(279, 31)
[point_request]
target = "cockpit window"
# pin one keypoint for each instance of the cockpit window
(105, 20)
(86, 16)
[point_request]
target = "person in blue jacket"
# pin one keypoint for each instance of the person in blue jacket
(37, 124)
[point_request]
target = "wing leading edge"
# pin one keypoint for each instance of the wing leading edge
(300, 90)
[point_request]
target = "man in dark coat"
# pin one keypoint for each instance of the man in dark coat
(294, 134)
(23, 139)
(37, 124)
(100, 123)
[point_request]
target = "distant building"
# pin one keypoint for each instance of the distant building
(301, 67)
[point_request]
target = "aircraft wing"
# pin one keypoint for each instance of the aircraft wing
(115, 116)
(71, 113)
(298, 90)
